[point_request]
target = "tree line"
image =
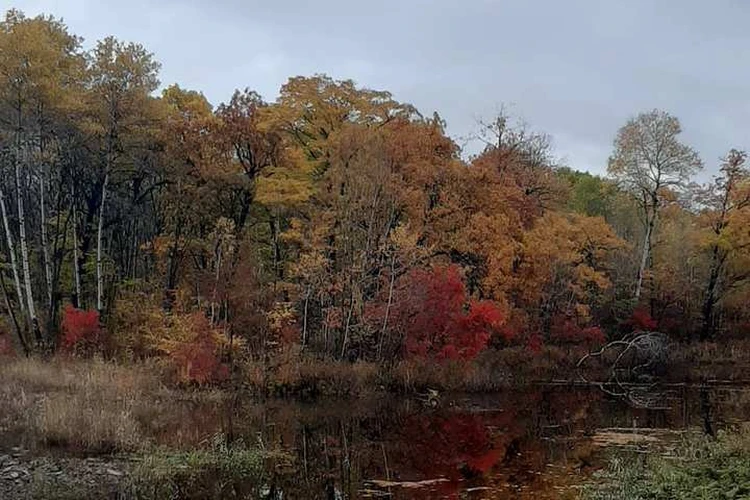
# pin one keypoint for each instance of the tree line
(335, 219)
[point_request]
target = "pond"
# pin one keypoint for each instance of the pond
(535, 442)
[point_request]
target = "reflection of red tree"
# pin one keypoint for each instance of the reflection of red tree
(494, 448)
(455, 446)
(502, 449)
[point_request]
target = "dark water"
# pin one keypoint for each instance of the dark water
(535, 442)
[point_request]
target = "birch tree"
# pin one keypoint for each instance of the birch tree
(123, 75)
(41, 68)
(649, 159)
(34, 320)
(12, 254)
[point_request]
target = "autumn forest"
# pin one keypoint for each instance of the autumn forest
(139, 222)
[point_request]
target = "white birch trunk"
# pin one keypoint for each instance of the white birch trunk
(215, 292)
(644, 255)
(388, 305)
(45, 249)
(304, 317)
(12, 251)
(25, 250)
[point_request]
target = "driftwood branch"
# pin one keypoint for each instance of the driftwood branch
(637, 355)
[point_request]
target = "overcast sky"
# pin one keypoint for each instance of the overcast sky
(575, 69)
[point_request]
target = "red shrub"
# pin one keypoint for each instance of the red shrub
(641, 320)
(567, 331)
(535, 343)
(6, 346)
(197, 358)
(82, 333)
(438, 319)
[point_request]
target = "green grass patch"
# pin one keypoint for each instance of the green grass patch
(220, 471)
(699, 468)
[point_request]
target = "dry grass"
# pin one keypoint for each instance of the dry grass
(73, 375)
(492, 370)
(89, 406)
(711, 361)
(293, 373)
(88, 421)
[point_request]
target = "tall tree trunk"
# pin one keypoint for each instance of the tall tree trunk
(76, 263)
(388, 305)
(217, 276)
(25, 249)
(45, 249)
(172, 267)
(345, 343)
(273, 225)
(645, 253)
(16, 326)
(12, 252)
(709, 302)
(100, 229)
(58, 245)
(304, 317)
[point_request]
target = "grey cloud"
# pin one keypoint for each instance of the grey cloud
(576, 69)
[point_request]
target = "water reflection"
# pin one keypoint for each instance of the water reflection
(529, 443)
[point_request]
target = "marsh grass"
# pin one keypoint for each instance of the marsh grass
(88, 406)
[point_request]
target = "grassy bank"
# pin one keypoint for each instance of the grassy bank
(96, 406)
(698, 468)
(125, 392)
(492, 370)
(113, 413)
(218, 471)
(215, 472)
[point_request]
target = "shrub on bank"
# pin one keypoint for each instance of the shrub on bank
(81, 331)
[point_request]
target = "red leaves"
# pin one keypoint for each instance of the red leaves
(535, 343)
(592, 335)
(197, 359)
(641, 320)
(567, 331)
(81, 330)
(439, 320)
(6, 346)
